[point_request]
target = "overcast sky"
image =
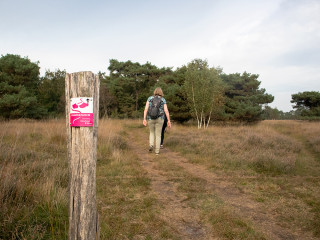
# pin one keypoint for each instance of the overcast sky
(277, 39)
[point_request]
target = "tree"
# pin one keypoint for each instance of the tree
(16, 71)
(108, 102)
(271, 113)
(51, 92)
(244, 99)
(131, 83)
(204, 90)
(307, 103)
(172, 85)
(17, 102)
(19, 78)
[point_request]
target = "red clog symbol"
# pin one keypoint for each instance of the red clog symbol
(83, 105)
(75, 106)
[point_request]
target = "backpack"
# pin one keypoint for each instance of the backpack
(154, 109)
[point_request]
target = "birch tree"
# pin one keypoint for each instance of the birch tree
(204, 91)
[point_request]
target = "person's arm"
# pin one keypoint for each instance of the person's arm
(145, 113)
(166, 111)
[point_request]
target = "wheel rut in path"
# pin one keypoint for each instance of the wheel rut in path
(185, 219)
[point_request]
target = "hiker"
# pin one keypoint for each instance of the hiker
(165, 123)
(154, 112)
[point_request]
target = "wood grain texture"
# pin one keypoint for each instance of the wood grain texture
(82, 155)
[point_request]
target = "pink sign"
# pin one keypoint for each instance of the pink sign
(81, 112)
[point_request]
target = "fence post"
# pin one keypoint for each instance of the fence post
(82, 154)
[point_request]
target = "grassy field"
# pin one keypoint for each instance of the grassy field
(275, 164)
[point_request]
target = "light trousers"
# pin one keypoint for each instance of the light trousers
(155, 127)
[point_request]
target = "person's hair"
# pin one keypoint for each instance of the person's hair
(158, 91)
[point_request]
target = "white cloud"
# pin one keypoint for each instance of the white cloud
(277, 39)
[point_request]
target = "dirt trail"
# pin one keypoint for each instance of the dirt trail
(183, 219)
(186, 220)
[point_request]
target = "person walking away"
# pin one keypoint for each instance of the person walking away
(154, 112)
(163, 130)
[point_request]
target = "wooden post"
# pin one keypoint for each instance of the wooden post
(82, 154)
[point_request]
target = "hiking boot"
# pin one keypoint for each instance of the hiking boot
(161, 146)
(150, 149)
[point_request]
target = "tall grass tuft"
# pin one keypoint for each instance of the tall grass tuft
(34, 182)
(33, 186)
(275, 163)
(259, 148)
(282, 156)
(127, 208)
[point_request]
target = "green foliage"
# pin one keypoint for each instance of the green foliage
(204, 90)
(193, 89)
(173, 87)
(130, 83)
(16, 71)
(107, 101)
(19, 78)
(51, 92)
(20, 105)
(307, 104)
(244, 99)
(270, 113)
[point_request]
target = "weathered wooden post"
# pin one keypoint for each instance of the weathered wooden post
(82, 110)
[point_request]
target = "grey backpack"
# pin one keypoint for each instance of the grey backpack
(154, 109)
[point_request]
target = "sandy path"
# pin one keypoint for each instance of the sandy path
(185, 220)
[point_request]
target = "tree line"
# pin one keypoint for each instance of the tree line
(194, 90)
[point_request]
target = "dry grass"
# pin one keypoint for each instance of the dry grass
(34, 179)
(248, 150)
(213, 211)
(275, 163)
(308, 132)
(126, 206)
